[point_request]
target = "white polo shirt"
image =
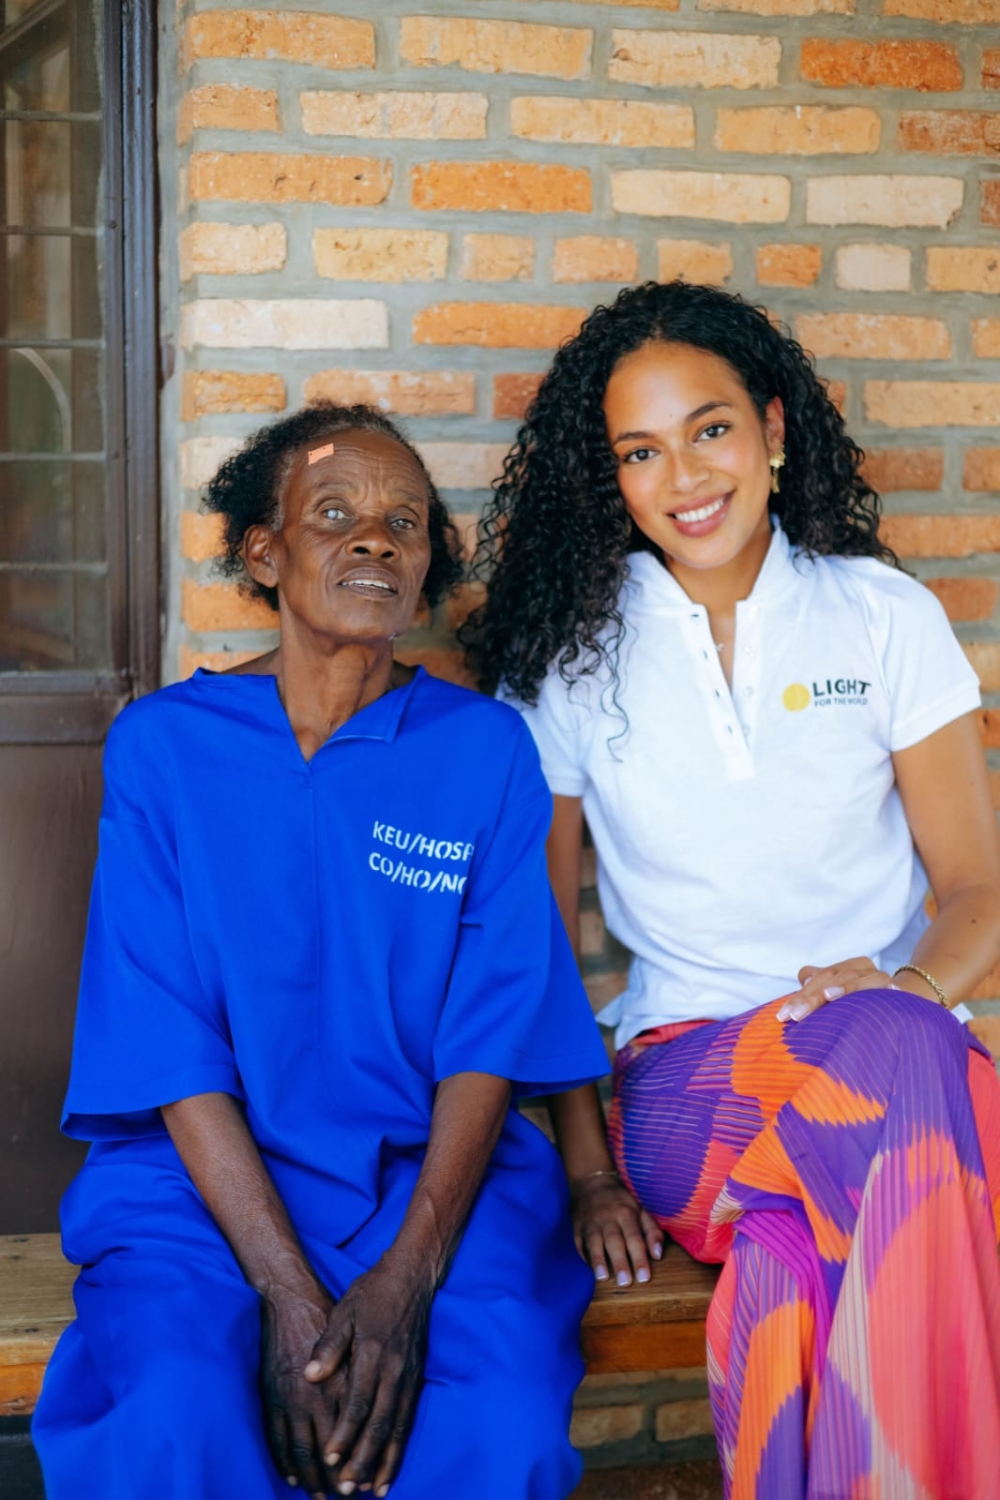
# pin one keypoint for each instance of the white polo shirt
(743, 833)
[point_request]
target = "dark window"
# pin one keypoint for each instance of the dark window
(77, 313)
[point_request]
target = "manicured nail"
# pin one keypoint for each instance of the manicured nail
(642, 1274)
(834, 992)
(332, 1460)
(796, 1012)
(601, 1273)
(784, 1013)
(623, 1278)
(657, 1252)
(312, 1369)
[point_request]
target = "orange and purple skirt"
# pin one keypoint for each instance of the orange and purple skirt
(846, 1168)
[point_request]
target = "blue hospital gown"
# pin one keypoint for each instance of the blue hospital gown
(326, 941)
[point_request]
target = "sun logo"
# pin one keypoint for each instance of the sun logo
(796, 697)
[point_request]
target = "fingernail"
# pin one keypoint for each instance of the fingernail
(783, 1013)
(313, 1368)
(834, 992)
(657, 1252)
(332, 1460)
(382, 1492)
(623, 1278)
(347, 1488)
(797, 1012)
(642, 1274)
(601, 1273)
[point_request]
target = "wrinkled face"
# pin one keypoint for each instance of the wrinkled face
(352, 550)
(692, 453)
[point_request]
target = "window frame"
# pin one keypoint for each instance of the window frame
(71, 707)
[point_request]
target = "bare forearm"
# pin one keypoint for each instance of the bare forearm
(215, 1144)
(961, 945)
(578, 1122)
(469, 1111)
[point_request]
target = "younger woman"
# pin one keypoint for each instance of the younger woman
(770, 729)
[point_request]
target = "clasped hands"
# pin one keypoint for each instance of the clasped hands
(341, 1380)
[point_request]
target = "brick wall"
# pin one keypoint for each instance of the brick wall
(414, 204)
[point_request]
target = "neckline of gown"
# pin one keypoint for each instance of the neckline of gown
(378, 720)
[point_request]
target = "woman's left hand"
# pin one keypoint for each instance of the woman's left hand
(372, 1352)
(821, 985)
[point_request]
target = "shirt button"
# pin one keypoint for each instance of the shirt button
(754, 611)
(750, 650)
(748, 692)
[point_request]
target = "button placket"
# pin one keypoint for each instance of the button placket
(719, 701)
(747, 668)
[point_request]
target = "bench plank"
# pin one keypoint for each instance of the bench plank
(627, 1330)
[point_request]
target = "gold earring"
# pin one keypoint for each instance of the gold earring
(777, 461)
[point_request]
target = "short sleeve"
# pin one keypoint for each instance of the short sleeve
(146, 1033)
(928, 678)
(558, 728)
(515, 1005)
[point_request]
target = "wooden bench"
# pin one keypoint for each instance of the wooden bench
(634, 1330)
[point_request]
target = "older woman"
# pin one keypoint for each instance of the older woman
(318, 1245)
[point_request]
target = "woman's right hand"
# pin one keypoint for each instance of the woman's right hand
(298, 1415)
(612, 1231)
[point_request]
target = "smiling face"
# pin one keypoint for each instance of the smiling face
(693, 456)
(352, 549)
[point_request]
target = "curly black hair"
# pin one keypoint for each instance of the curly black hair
(555, 540)
(247, 490)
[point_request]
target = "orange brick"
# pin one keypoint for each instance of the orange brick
(449, 665)
(889, 470)
(941, 536)
(873, 336)
(873, 268)
(392, 255)
(221, 606)
(495, 46)
(639, 4)
(462, 602)
(410, 393)
(189, 661)
(589, 257)
(736, 198)
(963, 268)
(947, 12)
(504, 186)
(698, 261)
(989, 731)
(981, 470)
(513, 394)
(896, 201)
(281, 36)
(201, 536)
(396, 115)
(986, 338)
(990, 210)
(782, 7)
(593, 1425)
(603, 122)
(991, 68)
(231, 249)
(949, 132)
(933, 403)
(498, 257)
(221, 106)
(965, 598)
(263, 177)
(497, 325)
(927, 66)
(691, 59)
(788, 265)
(985, 659)
(798, 130)
(837, 392)
(207, 392)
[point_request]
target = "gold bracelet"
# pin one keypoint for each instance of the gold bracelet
(604, 1172)
(928, 979)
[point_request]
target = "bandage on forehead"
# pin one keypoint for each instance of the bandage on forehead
(324, 451)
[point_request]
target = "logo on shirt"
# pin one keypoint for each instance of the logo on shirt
(414, 844)
(832, 692)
